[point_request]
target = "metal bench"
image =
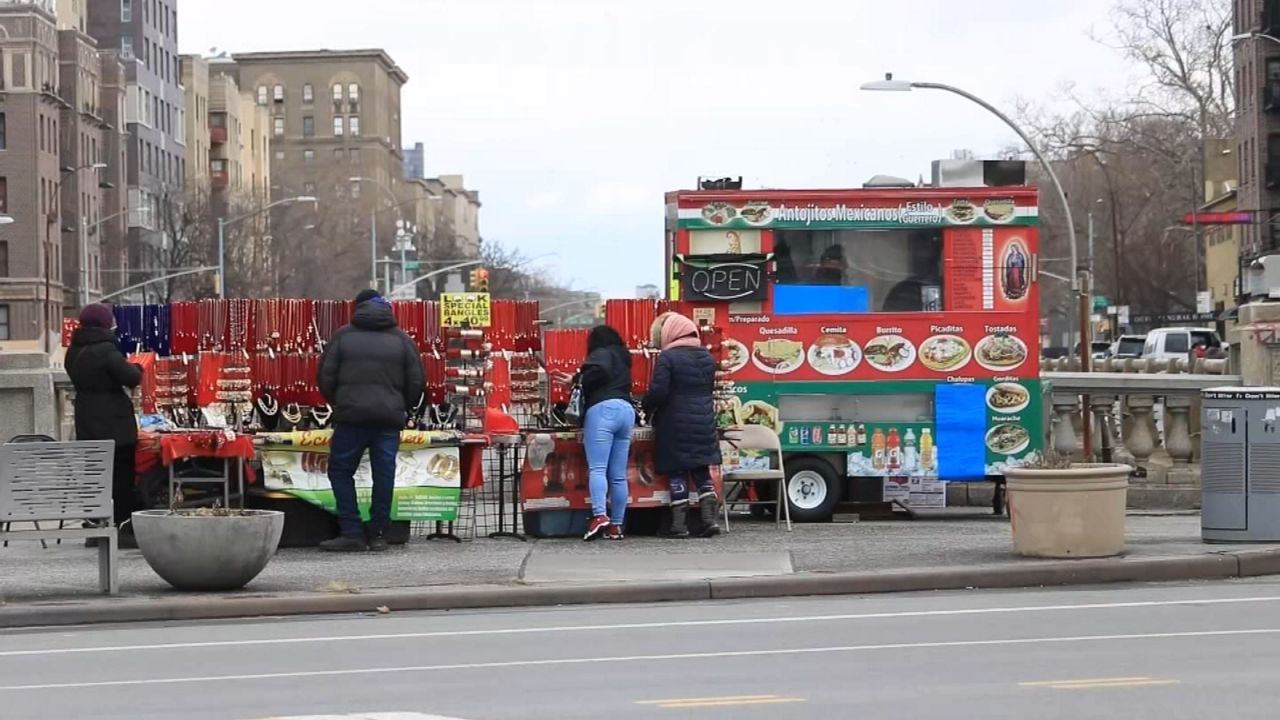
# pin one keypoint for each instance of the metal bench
(61, 482)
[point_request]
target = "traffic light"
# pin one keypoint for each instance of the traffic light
(480, 280)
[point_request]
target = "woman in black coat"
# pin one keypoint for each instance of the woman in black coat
(683, 415)
(104, 411)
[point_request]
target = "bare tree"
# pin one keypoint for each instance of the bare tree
(1136, 164)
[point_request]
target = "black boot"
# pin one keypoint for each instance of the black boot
(709, 510)
(679, 521)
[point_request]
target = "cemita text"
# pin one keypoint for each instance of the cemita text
(921, 213)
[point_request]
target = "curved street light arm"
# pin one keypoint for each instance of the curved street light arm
(1044, 163)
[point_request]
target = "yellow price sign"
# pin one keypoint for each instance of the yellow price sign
(466, 308)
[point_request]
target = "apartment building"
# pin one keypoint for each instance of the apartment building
(30, 120)
(228, 135)
(415, 162)
(146, 34)
(458, 213)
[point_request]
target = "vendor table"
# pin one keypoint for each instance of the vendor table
(554, 473)
(175, 450)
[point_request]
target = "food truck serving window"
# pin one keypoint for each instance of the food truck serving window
(858, 271)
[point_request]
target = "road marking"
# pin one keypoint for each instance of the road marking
(634, 626)
(1099, 683)
(733, 701)
(366, 716)
(643, 658)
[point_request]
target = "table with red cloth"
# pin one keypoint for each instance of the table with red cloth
(174, 449)
(554, 473)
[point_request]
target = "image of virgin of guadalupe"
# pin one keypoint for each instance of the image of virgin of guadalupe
(1015, 272)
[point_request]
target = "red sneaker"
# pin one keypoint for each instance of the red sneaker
(597, 527)
(613, 533)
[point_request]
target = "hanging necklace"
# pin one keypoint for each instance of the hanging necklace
(292, 414)
(322, 415)
(267, 405)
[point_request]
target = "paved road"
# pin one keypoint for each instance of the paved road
(1136, 652)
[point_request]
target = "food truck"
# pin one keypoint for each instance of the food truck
(889, 334)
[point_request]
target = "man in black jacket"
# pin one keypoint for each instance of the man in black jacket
(371, 374)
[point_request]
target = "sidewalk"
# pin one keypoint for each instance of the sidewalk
(954, 548)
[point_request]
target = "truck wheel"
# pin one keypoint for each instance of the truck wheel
(813, 489)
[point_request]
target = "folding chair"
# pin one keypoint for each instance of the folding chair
(761, 439)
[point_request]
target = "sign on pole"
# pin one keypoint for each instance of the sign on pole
(465, 309)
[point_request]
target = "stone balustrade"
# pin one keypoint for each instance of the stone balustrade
(1148, 420)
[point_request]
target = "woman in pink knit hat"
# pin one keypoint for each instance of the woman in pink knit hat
(682, 412)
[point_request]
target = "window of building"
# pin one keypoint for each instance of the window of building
(308, 93)
(308, 156)
(337, 127)
(337, 154)
(354, 123)
(4, 196)
(18, 64)
(43, 134)
(4, 322)
(355, 189)
(279, 154)
(262, 94)
(278, 94)
(126, 10)
(308, 126)
(337, 93)
(858, 271)
(309, 188)
(4, 258)
(353, 95)
(4, 142)
(277, 126)
(218, 166)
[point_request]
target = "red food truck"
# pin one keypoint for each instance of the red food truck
(890, 335)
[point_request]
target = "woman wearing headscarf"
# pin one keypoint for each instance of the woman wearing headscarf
(104, 411)
(680, 404)
(608, 419)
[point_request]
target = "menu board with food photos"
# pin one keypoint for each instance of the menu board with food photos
(1011, 421)
(965, 346)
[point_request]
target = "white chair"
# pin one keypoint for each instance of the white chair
(760, 439)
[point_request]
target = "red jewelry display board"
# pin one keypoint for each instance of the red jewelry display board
(554, 473)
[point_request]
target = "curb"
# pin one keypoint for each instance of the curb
(1215, 566)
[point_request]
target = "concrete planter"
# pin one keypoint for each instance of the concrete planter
(1075, 512)
(208, 552)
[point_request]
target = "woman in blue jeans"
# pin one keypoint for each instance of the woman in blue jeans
(608, 420)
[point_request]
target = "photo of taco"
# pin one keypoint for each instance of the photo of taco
(759, 412)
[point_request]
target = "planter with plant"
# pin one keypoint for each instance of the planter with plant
(1064, 509)
(208, 549)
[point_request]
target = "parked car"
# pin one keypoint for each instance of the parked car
(1128, 347)
(1099, 349)
(1178, 342)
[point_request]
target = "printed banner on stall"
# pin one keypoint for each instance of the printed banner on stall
(554, 475)
(818, 211)
(465, 309)
(428, 477)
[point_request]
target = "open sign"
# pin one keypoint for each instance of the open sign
(725, 281)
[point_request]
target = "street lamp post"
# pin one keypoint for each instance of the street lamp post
(373, 228)
(1080, 278)
(222, 226)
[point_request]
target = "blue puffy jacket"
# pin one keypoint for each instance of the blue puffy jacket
(682, 410)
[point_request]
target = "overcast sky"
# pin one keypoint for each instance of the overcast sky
(573, 117)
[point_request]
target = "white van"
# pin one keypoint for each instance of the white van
(1177, 342)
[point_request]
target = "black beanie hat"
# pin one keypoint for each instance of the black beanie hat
(366, 296)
